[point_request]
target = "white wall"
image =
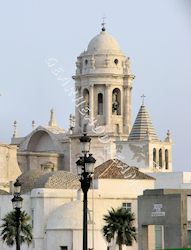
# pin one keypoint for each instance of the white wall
(44, 202)
(173, 180)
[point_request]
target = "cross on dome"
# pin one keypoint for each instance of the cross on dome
(103, 29)
(143, 98)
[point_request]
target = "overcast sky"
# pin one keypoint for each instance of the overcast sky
(155, 34)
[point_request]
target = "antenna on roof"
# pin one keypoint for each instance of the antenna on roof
(103, 24)
(143, 98)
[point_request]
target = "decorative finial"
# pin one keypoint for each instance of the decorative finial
(168, 133)
(168, 138)
(52, 121)
(128, 66)
(33, 125)
(103, 28)
(147, 137)
(15, 135)
(74, 121)
(71, 120)
(143, 98)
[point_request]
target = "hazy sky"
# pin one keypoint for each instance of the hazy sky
(155, 34)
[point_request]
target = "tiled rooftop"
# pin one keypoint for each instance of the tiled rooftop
(116, 169)
(58, 180)
(3, 192)
(28, 178)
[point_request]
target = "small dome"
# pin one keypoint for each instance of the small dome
(58, 180)
(67, 216)
(28, 178)
(103, 41)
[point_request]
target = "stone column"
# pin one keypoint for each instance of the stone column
(78, 99)
(127, 109)
(130, 108)
(125, 105)
(108, 104)
(91, 102)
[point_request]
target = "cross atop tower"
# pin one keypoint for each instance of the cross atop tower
(103, 29)
(143, 98)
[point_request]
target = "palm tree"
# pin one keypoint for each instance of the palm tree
(8, 233)
(119, 224)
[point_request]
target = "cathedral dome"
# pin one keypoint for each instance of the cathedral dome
(103, 41)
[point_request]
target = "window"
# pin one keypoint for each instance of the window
(48, 166)
(116, 61)
(86, 98)
(160, 158)
(85, 128)
(154, 157)
(64, 248)
(117, 128)
(158, 237)
(116, 102)
(166, 159)
(100, 104)
(127, 206)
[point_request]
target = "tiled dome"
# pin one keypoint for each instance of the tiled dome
(142, 125)
(3, 192)
(58, 180)
(28, 178)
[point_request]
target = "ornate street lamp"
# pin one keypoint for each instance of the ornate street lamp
(85, 167)
(17, 205)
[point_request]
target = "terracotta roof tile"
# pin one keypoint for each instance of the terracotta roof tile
(116, 169)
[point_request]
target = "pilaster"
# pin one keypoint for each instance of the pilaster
(127, 109)
(78, 99)
(108, 107)
(91, 89)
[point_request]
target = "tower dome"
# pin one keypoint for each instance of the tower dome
(103, 41)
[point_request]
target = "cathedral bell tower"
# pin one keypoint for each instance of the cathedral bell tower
(103, 84)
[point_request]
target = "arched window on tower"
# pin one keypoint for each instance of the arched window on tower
(154, 157)
(166, 159)
(116, 102)
(100, 104)
(160, 158)
(85, 128)
(117, 128)
(86, 98)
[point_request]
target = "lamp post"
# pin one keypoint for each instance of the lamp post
(17, 205)
(85, 167)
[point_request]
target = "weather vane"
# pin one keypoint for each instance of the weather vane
(103, 29)
(143, 98)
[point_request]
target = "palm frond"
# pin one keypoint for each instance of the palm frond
(9, 231)
(119, 222)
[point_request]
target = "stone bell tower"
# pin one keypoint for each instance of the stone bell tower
(103, 84)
